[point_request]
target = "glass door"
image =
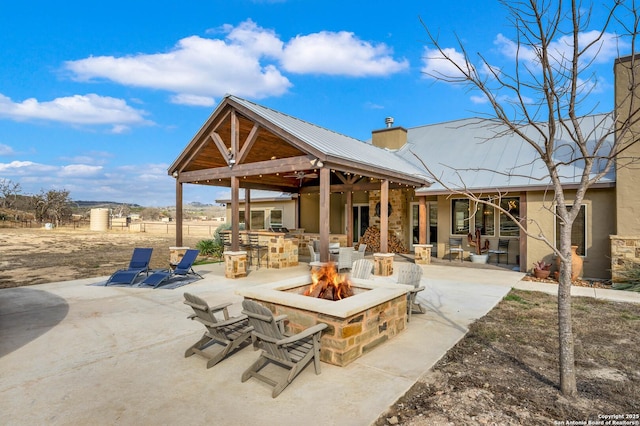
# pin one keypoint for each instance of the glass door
(360, 220)
(432, 228)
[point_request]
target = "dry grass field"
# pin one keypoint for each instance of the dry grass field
(36, 255)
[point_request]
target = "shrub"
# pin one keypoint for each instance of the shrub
(629, 277)
(209, 248)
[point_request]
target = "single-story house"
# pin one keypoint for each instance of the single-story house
(338, 185)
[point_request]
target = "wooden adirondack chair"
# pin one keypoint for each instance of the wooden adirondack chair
(291, 352)
(410, 274)
(231, 333)
(362, 268)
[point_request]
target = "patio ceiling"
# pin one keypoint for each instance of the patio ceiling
(269, 150)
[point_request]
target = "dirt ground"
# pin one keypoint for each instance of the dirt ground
(35, 255)
(504, 371)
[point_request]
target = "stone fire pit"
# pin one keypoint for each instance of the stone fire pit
(375, 313)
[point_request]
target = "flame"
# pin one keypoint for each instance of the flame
(327, 283)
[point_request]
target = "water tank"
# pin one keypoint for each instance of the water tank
(99, 220)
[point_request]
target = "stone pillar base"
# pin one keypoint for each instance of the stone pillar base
(235, 264)
(423, 253)
(383, 264)
(176, 254)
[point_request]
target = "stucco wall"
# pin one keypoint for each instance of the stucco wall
(288, 208)
(627, 175)
(600, 224)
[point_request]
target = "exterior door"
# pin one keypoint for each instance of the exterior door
(432, 227)
(360, 220)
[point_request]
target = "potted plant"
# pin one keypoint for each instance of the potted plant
(481, 255)
(541, 269)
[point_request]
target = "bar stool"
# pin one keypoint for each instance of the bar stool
(255, 246)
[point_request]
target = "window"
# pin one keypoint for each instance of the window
(578, 231)
(485, 219)
(257, 219)
(460, 217)
(275, 218)
(509, 228)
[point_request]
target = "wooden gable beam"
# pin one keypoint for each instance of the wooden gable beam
(282, 165)
(248, 143)
(221, 146)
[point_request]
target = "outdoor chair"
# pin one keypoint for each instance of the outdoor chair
(226, 240)
(315, 257)
(290, 352)
(410, 274)
(503, 248)
(345, 258)
(231, 333)
(362, 268)
(182, 270)
(455, 246)
(359, 254)
(138, 264)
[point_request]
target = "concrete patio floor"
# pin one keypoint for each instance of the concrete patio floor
(73, 353)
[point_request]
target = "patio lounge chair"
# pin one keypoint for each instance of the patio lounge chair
(410, 274)
(231, 333)
(362, 268)
(293, 352)
(182, 270)
(138, 264)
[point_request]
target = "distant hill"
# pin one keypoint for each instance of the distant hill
(105, 204)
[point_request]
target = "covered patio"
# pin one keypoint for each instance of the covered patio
(246, 145)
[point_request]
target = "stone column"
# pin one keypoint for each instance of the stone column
(235, 264)
(383, 264)
(423, 253)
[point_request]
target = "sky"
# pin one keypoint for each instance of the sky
(100, 98)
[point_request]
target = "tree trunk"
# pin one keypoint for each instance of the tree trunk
(565, 331)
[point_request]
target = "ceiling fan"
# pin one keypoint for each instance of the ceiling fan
(301, 176)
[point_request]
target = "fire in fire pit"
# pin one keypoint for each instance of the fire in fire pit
(327, 283)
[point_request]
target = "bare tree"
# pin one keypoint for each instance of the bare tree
(52, 204)
(547, 88)
(9, 191)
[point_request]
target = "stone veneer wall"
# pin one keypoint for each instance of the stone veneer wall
(398, 218)
(283, 252)
(344, 340)
(306, 239)
(623, 250)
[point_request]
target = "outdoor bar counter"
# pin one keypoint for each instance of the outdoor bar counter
(277, 249)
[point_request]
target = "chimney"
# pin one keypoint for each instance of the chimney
(390, 137)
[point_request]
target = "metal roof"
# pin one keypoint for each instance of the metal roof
(483, 154)
(336, 145)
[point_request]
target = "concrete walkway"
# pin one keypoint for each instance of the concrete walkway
(72, 353)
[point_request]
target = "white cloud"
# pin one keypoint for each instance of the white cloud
(25, 168)
(603, 51)
(6, 150)
(77, 109)
(197, 67)
(339, 53)
(247, 61)
(479, 100)
(443, 65)
(79, 170)
(195, 100)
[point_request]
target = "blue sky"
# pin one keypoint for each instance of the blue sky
(100, 98)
